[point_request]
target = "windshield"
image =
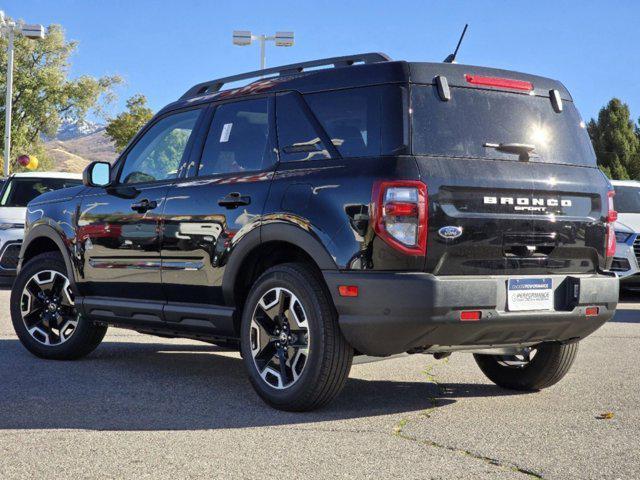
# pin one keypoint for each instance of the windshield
(627, 199)
(18, 192)
(473, 117)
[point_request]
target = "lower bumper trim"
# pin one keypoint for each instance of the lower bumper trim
(397, 312)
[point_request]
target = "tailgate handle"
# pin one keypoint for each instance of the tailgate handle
(533, 239)
(524, 251)
(524, 245)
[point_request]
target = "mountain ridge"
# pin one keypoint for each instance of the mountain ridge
(70, 130)
(77, 144)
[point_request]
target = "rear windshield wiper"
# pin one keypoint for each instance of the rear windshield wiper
(522, 149)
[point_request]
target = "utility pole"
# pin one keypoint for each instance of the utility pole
(243, 38)
(263, 53)
(10, 28)
(8, 103)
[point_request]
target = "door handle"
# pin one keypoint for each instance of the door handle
(144, 206)
(301, 148)
(234, 200)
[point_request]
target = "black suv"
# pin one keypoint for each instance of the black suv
(371, 207)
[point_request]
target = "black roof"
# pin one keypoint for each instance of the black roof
(356, 71)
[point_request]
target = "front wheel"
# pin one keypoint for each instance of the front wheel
(291, 343)
(533, 369)
(44, 315)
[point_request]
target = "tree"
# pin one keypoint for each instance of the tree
(124, 126)
(43, 95)
(615, 141)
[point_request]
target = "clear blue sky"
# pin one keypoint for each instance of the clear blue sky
(161, 48)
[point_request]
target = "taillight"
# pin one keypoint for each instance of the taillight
(400, 215)
(612, 216)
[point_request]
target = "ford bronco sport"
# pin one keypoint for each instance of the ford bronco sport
(372, 207)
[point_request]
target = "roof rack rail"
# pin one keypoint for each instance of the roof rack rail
(285, 70)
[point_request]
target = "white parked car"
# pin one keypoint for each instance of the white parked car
(16, 192)
(627, 204)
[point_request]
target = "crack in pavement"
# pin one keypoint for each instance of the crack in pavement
(398, 431)
(489, 460)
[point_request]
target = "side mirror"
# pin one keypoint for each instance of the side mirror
(97, 174)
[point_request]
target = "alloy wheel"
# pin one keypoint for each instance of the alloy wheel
(279, 338)
(47, 308)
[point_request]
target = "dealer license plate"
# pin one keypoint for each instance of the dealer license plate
(529, 294)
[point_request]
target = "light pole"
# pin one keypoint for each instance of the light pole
(11, 28)
(243, 38)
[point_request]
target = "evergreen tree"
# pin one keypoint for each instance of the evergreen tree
(616, 141)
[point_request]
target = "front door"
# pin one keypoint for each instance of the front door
(119, 226)
(219, 202)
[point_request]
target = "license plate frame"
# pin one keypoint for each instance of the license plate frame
(530, 294)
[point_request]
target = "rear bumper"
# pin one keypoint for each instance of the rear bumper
(398, 312)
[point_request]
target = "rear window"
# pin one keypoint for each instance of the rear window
(20, 191)
(362, 122)
(239, 139)
(627, 199)
(472, 117)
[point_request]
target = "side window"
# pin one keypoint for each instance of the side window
(297, 136)
(157, 155)
(362, 122)
(239, 139)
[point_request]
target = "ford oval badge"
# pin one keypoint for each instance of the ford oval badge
(450, 232)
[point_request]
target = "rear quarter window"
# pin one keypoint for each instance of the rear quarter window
(362, 122)
(472, 117)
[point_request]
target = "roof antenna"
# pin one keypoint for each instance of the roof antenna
(452, 58)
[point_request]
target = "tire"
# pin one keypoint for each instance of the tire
(63, 334)
(548, 366)
(317, 358)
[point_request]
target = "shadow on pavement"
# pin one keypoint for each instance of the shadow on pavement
(137, 386)
(626, 315)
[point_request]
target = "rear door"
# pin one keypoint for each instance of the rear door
(118, 226)
(513, 214)
(220, 200)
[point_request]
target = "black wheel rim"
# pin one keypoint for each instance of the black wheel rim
(47, 308)
(279, 338)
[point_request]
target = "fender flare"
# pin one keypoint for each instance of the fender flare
(272, 232)
(47, 231)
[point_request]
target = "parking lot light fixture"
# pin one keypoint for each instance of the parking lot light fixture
(10, 28)
(242, 38)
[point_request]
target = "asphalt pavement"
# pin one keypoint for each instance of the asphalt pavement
(145, 407)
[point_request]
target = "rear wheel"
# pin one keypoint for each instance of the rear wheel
(44, 315)
(291, 344)
(535, 368)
